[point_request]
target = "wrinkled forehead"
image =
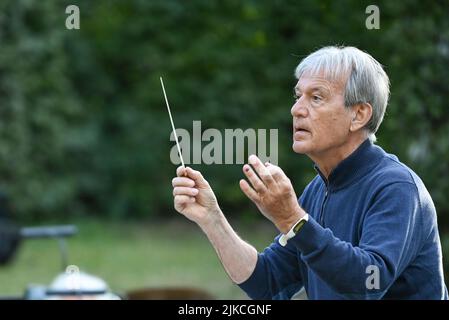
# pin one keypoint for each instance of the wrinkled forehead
(319, 80)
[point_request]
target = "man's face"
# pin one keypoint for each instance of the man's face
(320, 119)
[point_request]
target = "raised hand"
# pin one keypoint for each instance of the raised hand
(272, 192)
(193, 196)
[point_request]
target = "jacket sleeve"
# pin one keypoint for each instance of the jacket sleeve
(276, 275)
(388, 243)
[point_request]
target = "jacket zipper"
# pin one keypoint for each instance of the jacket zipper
(323, 206)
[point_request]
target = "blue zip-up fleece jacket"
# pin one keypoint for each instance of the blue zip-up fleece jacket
(372, 234)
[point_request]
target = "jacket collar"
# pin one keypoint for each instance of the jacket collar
(353, 167)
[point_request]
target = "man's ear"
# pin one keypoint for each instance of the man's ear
(361, 114)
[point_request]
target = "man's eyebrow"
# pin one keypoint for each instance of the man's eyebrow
(312, 89)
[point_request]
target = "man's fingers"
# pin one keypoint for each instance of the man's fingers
(248, 191)
(182, 182)
(255, 181)
(192, 175)
(197, 177)
(183, 199)
(261, 170)
(185, 191)
(276, 172)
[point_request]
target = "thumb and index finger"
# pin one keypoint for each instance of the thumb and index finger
(195, 175)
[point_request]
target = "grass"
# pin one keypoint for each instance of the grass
(132, 255)
(138, 255)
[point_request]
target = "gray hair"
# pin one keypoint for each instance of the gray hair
(366, 81)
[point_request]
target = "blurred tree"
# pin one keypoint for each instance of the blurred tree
(40, 114)
(84, 127)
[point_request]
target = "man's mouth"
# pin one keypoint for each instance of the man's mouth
(300, 132)
(300, 129)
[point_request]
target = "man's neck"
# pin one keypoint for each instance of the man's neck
(329, 159)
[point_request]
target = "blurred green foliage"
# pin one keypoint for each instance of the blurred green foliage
(84, 128)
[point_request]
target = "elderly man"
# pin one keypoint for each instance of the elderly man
(364, 228)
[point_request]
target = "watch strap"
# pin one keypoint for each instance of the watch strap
(293, 231)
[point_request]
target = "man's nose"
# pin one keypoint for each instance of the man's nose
(299, 109)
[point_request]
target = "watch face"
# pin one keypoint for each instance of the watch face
(298, 226)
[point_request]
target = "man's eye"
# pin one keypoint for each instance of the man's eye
(296, 96)
(316, 98)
